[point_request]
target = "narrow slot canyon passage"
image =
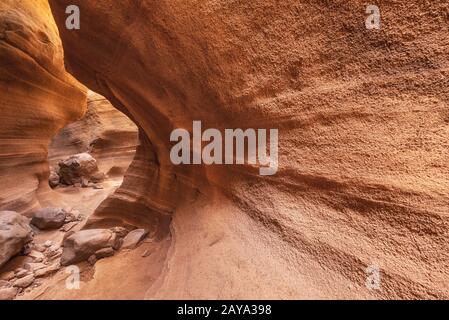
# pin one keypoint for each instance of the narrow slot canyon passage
(361, 182)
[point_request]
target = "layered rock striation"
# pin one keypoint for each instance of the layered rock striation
(38, 98)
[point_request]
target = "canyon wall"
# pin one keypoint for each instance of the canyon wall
(37, 99)
(362, 116)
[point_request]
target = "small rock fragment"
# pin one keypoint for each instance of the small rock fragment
(92, 260)
(133, 238)
(147, 253)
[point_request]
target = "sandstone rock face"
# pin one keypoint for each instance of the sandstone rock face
(83, 244)
(15, 232)
(38, 98)
(362, 118)
(49, 218)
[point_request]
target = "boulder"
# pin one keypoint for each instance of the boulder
(78, 168)
(147, 253)
(15, 232)
(133, 238)
(82, 244)
(32, 267)
(24, 282)
(8, 294)
(49, 218)
(47, 271)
